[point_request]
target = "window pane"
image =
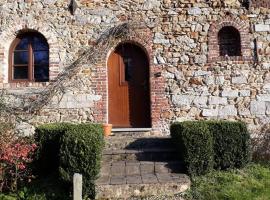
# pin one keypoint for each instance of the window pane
(41, 57)
(128, 68)
(23, 45)
(41, 73)
(20, 57)
(21, 72)
(39, 43)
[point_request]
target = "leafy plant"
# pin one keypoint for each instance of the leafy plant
(15, 156)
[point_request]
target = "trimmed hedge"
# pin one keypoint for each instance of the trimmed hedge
(204, 145)
(231, 144)
(195, 145)
(48, 140)
(67, 149)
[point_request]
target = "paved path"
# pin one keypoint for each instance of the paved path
(143, 167)
(119, 173)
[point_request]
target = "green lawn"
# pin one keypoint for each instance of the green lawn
(250, 183)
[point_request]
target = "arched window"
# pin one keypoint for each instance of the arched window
(29, 58)
(229, 41)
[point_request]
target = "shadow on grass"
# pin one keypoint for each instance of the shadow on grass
(43, 188)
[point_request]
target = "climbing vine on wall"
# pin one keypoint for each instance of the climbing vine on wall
(25, 106)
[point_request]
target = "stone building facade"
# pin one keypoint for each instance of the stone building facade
(208, 59)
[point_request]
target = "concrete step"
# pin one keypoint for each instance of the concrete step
(124, 180)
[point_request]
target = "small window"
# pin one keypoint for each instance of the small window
(229, 42)
(29, 58)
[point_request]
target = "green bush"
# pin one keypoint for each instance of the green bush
(80, 152)
(195, 144)
(207, 144)
(48, 140)
(68, 149)
(231, 144)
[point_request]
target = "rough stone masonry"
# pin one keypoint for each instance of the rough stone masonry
(181, 38)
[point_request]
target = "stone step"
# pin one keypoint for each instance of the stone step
(123, 180)
(133, 142)
(152, 154)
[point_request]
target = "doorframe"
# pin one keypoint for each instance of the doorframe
(138, 44)
(159, 101)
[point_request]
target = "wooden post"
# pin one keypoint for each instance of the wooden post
(77, 187)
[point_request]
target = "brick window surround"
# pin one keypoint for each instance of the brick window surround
(213, 42)
(8, 37)
(260, 3)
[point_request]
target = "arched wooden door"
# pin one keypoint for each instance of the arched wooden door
(128, 85)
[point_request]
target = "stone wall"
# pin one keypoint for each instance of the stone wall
(180, 38)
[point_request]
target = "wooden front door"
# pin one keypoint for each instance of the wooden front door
(128, 85)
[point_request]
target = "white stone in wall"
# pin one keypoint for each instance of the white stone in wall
(229, 93)
(25, 129)
(266, 87)
(239, 80)
(178, 75)
(94, 19)
(204, 47)
(155, 60)
(160, 39)
(210, 80)
(151, 4)
(218, 101)
(267, 104)
(267, 21)
(160, 60)
(244, 93)
(184, 59)
(201, 73)
(220, 80)
(186, 42)
(200, 101)
(49, 1)
(257, 107)
(172, 12)
(198, 28)
(210, 112)
(200, 59)
(262, 27)
(194, 11)
(91, 97)
(182, 100)
(206, 27)
(168, 75)
(243, 111)
(228, 110)
(263, 97)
